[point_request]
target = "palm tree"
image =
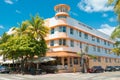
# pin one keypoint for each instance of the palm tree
(116, 7)
(21, 29)
(85, 58)
(3, 39)
(37, 28)
(19, 32)
(116, 50)
(116, 33)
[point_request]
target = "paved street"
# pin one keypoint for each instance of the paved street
(64, 76)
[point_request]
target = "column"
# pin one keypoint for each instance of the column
(62, 61)
(72, 61)
(68, 62)
(79, 61)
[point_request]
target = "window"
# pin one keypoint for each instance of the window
(62, 16)
(94, 48)
(98, 49)
(71, 31)
(105, 50)
(52, 43)
(93, 38)
(76, 60)
(86, 36)
(98, 40)
(65, 61)
(64, 9)
(80, 34)
(62, 42)
(52, 31)
(104, 42)
(62, 29)
(80, 45)
(99, 59)
(72, 43)
(106, 59)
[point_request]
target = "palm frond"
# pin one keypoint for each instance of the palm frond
(116, 33)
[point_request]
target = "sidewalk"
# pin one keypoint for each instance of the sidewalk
(74, 76)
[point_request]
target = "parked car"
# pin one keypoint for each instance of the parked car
(96, 69)
(110, 68)
(117, 68)
(4, 69)
(40, 71)
(49, 69)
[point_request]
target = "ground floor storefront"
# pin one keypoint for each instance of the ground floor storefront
(72, 62)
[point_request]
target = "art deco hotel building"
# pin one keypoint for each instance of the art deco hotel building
(68, 37)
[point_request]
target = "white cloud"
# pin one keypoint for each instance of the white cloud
(112, 19)
(94, 5)
(1, 27)
(8, 1)
(104, 15)
(107, 29)
(17, 11)
(11, 31)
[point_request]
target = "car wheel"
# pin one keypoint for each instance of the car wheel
(55, 72)
(96, 71)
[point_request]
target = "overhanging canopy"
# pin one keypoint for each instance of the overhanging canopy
(62, 54)
(42, 60)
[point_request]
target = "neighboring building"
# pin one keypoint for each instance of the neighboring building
(67, 37)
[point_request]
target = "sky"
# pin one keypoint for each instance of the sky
(95, 13)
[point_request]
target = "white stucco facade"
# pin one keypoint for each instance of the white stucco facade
(68, 37)
(84, 29)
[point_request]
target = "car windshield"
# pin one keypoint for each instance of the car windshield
(1, 67)
(116, 66)
(109, 66)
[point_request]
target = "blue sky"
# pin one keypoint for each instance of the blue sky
(94, 13)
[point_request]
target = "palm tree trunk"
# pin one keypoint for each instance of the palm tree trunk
(22, 66)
